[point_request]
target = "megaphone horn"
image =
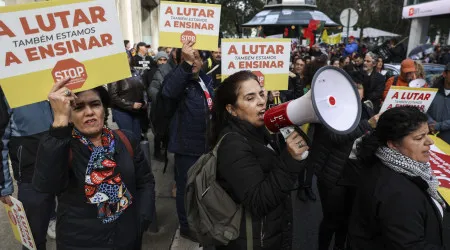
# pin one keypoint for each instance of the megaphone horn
(333, 101)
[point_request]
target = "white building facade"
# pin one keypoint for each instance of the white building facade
(430, 21)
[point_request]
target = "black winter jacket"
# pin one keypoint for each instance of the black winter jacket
(329, 152)
(139, 61)
(260, 178)
(374, 86)
(393, 211)
(78, 227)
(126, 92)
(189, 125)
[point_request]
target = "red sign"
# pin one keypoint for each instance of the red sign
(260, 77)
(12, 218)
(440, 164)
(411, 12)
(70, 68)
(188, 36)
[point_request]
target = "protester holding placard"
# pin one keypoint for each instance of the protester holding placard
(191, 92)
(25, 127)
(407, 74)
(103, 181)
(397, 205)
(439, 111)
(142, 59)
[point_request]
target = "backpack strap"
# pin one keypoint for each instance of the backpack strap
(249, 229)
(125, 141)
(122, 137)
(218, 143)
(395, 81)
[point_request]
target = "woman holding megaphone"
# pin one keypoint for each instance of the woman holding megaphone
(251, 167)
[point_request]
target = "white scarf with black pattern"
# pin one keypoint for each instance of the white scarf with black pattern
(405, 165)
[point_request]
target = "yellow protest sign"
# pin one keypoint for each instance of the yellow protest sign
(182, 21)
(19, 224)
(44, 42)
(267, 58)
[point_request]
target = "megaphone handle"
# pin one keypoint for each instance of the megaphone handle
(305, 155)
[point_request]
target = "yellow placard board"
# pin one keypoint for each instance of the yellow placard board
(43, 42)
(182, 21)
(19, 224)
(267, 58)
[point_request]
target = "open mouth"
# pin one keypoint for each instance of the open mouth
(261, 114)
(90, 121)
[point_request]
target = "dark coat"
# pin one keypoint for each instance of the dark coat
(329, 152)
(439, 112)
(78, 227)
(139, 61)
(5, 178)
(126, 92)
(216, 75)
(261, 179)
(189, 125)
(295, 90)
(374, 86)
(393, 211)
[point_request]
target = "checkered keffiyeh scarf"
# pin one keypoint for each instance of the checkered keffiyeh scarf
(405, 165)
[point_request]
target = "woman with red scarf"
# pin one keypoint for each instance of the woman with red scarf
(101, 177)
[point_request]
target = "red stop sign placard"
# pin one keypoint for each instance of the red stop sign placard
(70, 68)
(260, 77)
(188, 36)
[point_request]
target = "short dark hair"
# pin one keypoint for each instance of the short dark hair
(102, 92)
(393, 125)
(298, 58)
(125, 42)
(178, 53)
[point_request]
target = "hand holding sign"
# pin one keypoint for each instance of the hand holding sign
(6, 200)
(61, 99)
(188, 52)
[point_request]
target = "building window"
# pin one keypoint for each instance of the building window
(412, 2)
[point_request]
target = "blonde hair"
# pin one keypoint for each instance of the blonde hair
(420, 71)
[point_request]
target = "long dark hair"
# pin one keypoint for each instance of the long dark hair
(311, 68)
(393, 125)
(226, 93)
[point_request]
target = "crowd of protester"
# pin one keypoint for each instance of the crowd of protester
(375, 186)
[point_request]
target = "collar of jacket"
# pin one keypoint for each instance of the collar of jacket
(251, 132)
(440, 83)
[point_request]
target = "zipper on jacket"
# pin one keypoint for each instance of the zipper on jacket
(19, 155)
(262, 231)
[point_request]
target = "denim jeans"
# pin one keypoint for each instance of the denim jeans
(127, 121)
(182, 165)
(39, 208)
